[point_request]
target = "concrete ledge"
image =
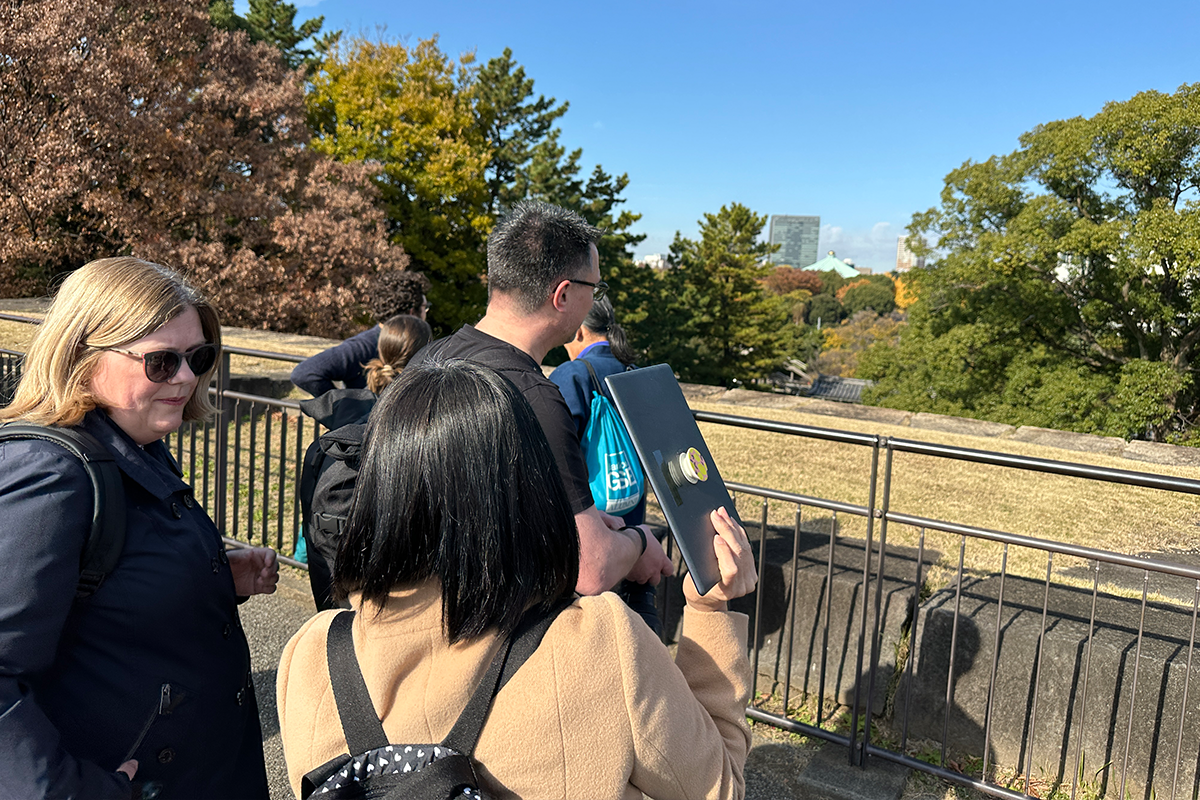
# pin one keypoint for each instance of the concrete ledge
(264, 384)
(1066, 440)
(745, 397)
(793, 645)
(959, 425)
(886, 416)
(699, 391)
(1135, 685)
(1160, 453)
(829, 776)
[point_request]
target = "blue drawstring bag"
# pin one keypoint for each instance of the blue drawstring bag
(614, 473)
(301, 553)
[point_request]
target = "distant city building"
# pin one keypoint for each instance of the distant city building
(655, 261)
(798, 237)
(831, 262)
(857, 268)
(905, 260)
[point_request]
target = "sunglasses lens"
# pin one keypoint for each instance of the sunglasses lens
(201, 359)
(161, 365)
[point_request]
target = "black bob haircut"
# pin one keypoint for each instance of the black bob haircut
(458, 484)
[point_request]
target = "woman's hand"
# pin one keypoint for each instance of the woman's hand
(129, 768)
(255, 570)
(734, 559)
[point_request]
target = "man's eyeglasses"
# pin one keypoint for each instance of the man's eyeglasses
(599, 289)
(162, 365)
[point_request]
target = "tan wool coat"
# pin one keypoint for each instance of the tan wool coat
(600, 710)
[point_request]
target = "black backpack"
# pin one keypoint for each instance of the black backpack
(385, 771)
(106, 538)
(326, 488)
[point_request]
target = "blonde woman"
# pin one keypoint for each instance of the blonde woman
(144, 688)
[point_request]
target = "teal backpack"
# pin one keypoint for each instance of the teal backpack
(614, 473)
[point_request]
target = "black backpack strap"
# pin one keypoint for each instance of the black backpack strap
(360, 723)
(106, 539)
(595, 381)
(310, 470)
(519, 647)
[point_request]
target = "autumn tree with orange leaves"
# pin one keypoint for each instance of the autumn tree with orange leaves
(141, 129)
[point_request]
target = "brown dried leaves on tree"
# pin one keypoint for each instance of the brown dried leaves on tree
(141, 130)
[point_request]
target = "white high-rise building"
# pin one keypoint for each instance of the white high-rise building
(905, 260)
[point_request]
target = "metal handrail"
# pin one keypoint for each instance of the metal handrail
(277, 465)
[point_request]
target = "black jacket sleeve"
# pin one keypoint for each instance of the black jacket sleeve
(343, 363)
(46, 508)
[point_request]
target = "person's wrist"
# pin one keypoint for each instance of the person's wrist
(641, 534)
(707, 606)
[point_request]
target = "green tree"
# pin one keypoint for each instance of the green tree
(136, 128)
(412, 111)
(824, 309)
(458, 144)
(870, 295)
(1062, 266)
(718, 323)
(274, 22)
(515, 126)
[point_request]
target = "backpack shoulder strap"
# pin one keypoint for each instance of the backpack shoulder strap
(310, 471)
(595, 381)
(360, 723)
(515, 651)
(106, 539)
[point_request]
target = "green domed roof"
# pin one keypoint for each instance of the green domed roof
(831, 262)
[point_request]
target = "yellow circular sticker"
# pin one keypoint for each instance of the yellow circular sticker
(693, 465)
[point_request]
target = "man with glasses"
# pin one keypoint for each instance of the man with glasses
(543, 274)
(393, 293)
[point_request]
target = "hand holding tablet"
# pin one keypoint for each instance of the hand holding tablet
(678, 465)
(736, 563)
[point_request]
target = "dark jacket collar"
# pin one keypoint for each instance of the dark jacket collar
(151, 467)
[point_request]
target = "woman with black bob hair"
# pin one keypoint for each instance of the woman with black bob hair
(495, 541)
(459, 525)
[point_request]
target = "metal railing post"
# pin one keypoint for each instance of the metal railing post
(857, 756)
(221, 462)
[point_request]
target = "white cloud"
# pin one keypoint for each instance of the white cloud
(874, 248)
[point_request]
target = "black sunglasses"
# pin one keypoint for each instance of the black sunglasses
(162, 365)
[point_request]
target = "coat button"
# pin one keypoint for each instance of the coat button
(166, 755)
(188, 502)
(216, 565)
(222, 556)
(226, 630)
(175, 512)
(241, 696)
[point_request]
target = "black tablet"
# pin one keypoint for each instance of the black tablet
(676, 461)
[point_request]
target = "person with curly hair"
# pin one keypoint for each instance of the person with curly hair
(394, 293)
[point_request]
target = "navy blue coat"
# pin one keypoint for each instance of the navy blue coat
(575, 383)
(154, 666)
(343, 362)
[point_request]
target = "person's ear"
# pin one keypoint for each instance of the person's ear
(579, 335)
(559, 296)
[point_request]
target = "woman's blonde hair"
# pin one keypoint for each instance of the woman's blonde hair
(399, 340)
(106, 303)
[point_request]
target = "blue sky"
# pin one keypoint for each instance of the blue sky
(853, 111)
